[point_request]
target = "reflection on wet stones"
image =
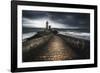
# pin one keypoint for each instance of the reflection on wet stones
(57, 50)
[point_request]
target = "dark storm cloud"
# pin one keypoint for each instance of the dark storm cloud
(34, 14)
(73, 19)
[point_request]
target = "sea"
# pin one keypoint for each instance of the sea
(81, 33)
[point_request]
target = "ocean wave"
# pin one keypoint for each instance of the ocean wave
(28, 35)
(81, 35)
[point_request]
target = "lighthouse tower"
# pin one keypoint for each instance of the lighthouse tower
(47, 25)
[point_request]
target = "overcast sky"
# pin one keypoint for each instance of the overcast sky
(37, 19)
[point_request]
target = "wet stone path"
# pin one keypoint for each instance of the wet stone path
(56, 50)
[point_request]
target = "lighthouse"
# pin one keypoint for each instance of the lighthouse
(47, 24)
